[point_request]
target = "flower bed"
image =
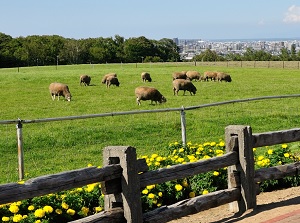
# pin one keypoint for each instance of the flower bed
(74, 204)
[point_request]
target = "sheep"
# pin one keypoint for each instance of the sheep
(179, 75)
(149, 93)
(191, 75)
(212, 75)
(146, 77)
(112, 80)
(106, 76)
(59, 89)
(221, 76)
(185, 85)
(85, 80)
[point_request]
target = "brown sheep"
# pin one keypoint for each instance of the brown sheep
(85, 80)
(59, 89)
(106, 76)
(221, 76)
(111, 80)
(212, 75)
(185, 85)
(146, 77)
(179, 75)
(193, 75)
(149, 93)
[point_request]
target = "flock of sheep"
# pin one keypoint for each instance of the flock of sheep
(180, 80)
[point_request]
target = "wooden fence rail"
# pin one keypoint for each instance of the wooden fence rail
(124, 176)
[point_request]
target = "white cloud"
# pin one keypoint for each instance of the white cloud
(292, 15)
(261, 22)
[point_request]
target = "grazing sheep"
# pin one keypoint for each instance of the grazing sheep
(191, 75)
(59, 89)
(185, 85)
(149, 93)
(179, 75)
(221, 76)
(85, 80)
(106, 76)
(146, 77)
(212, 75)
(111, 80)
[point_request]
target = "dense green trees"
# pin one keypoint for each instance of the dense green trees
(50, 50)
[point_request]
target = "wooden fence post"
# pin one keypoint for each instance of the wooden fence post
(130, 196)
(244, 169)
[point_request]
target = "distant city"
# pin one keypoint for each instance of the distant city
(192, 47)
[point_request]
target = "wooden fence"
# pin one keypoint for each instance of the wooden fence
(123, 177)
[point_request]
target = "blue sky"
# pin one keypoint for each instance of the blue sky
(154, 19)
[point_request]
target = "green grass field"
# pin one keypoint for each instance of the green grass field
(53, 147)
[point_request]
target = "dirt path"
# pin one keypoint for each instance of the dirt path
(270, 205)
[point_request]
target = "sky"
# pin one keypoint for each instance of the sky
(154, 19)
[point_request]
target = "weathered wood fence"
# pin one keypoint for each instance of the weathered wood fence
(123, 177)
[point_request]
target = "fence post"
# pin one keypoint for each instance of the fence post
(245, 167)
(130, 196)
(183, 126)
(20, 150)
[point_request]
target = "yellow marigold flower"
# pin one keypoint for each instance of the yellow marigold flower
(58, 211)
(159, 159)
(154, 201)
(185, 183)
(260, 158)
(286, 155)
(98, 209)
(30, 208)
(156, 163)
(160, 194)
(200, 149)
(213, 143)
(145, 191)
(192, 194)
(38, 221)
(280, 162)
(284, 146)
(189, 143)
(176, 143)
(206, 157)
(48, 209)
(14, 209)
(219, 151)
(21, 182)
(205, 192)
(216, 173)
(158, 204)
(5, 219)
(259, 163)
(153, 156)
(39, 213)
(70, 212)
(151, 195)
(64, 205)
(181, 150)
(180, 160)
(85, 210)
(17, 218)
(89, 165)
(270, 151)
(79, 189)
(222, 144)
(254, 149)
(178, 187)
(150, 187)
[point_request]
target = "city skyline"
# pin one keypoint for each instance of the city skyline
(194, 19)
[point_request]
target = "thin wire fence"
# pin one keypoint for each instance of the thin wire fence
(85, 136)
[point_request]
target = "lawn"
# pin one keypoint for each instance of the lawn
(52, 147)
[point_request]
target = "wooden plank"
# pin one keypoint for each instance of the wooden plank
(115, 215)
(192, 206)
(277, 172)
(276, 137)
(186, 170)
(57, 182)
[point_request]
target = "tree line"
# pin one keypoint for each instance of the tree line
(53, 49)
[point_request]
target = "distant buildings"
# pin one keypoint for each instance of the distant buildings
(191, 47)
